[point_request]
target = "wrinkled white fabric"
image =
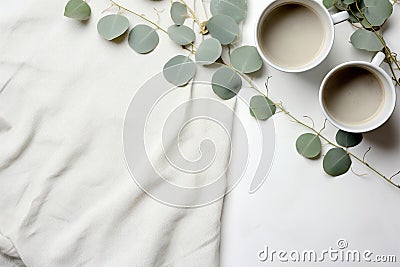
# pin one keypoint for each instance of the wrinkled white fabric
(66, 196)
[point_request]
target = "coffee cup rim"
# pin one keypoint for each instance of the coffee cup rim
(321, 57)
(360, 128)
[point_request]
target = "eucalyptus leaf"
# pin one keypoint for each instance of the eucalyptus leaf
(208, 51)
(112, 26)
(328, 3)
(377, 11)
(178, 13)
(336, 162)
(339, 4)
(366, 40)
(309, 145)
(182, 35)
(365, 24)
(143, 38)
(261, 107)
(354, 9)
(347, 139)
(179, 70)
(223, 28)
(246, 59)
(77, 9)
(226, 83)
(237, 9)
(349, 2)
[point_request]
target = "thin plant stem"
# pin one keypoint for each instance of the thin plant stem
(140, 16)
(287, 113)
(191, 11)
(192, 51)
(389, 56)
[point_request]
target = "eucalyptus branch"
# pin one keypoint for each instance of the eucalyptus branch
(388, 53)
(140, 16)
(280, 105)
(318, 133)
(193, 47)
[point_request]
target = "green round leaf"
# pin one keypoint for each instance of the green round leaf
(208, 51)
(377, 11)
(182, 35)
(365, 24)
(178, 13)
(179, 70)
(112, 26)
(226, 83)
(347, 139)
(328, 3)
(336, 162)
(366, 40)
(223, 28)
(261, 107)
(237, 9)
(246, 59)
(354, 10)
(143, 38)
(77, 9)
(309, 145)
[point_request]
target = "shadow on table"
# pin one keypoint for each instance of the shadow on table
(387, 136)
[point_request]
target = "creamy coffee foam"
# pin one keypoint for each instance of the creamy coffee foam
(292, 35)
(353, 95)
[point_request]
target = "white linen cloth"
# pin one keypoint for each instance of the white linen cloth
(66, 196)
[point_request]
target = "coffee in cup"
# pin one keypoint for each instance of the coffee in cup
(296, 35)
(358, 96)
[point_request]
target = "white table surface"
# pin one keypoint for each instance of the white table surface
(299, 207)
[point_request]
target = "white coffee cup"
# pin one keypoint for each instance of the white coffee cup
(388, 95)
(325, 20)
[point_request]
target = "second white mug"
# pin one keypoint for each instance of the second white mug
(358, 96)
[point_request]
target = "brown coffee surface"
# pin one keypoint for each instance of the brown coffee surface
(291, 35)
(353, 95)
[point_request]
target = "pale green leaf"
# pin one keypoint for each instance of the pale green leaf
(77, 9)
(179, 70)
(365, 24)
(143, 38)
(329, 3)
(246, 59)
(208, 51)
(309, 145)
(112, 26)
(366, 40)
(336, 162)
(226, 83)
(182, 35)
(237, 9)
(223, 28)
(261, 107)
(377, 11)
(178, 13)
